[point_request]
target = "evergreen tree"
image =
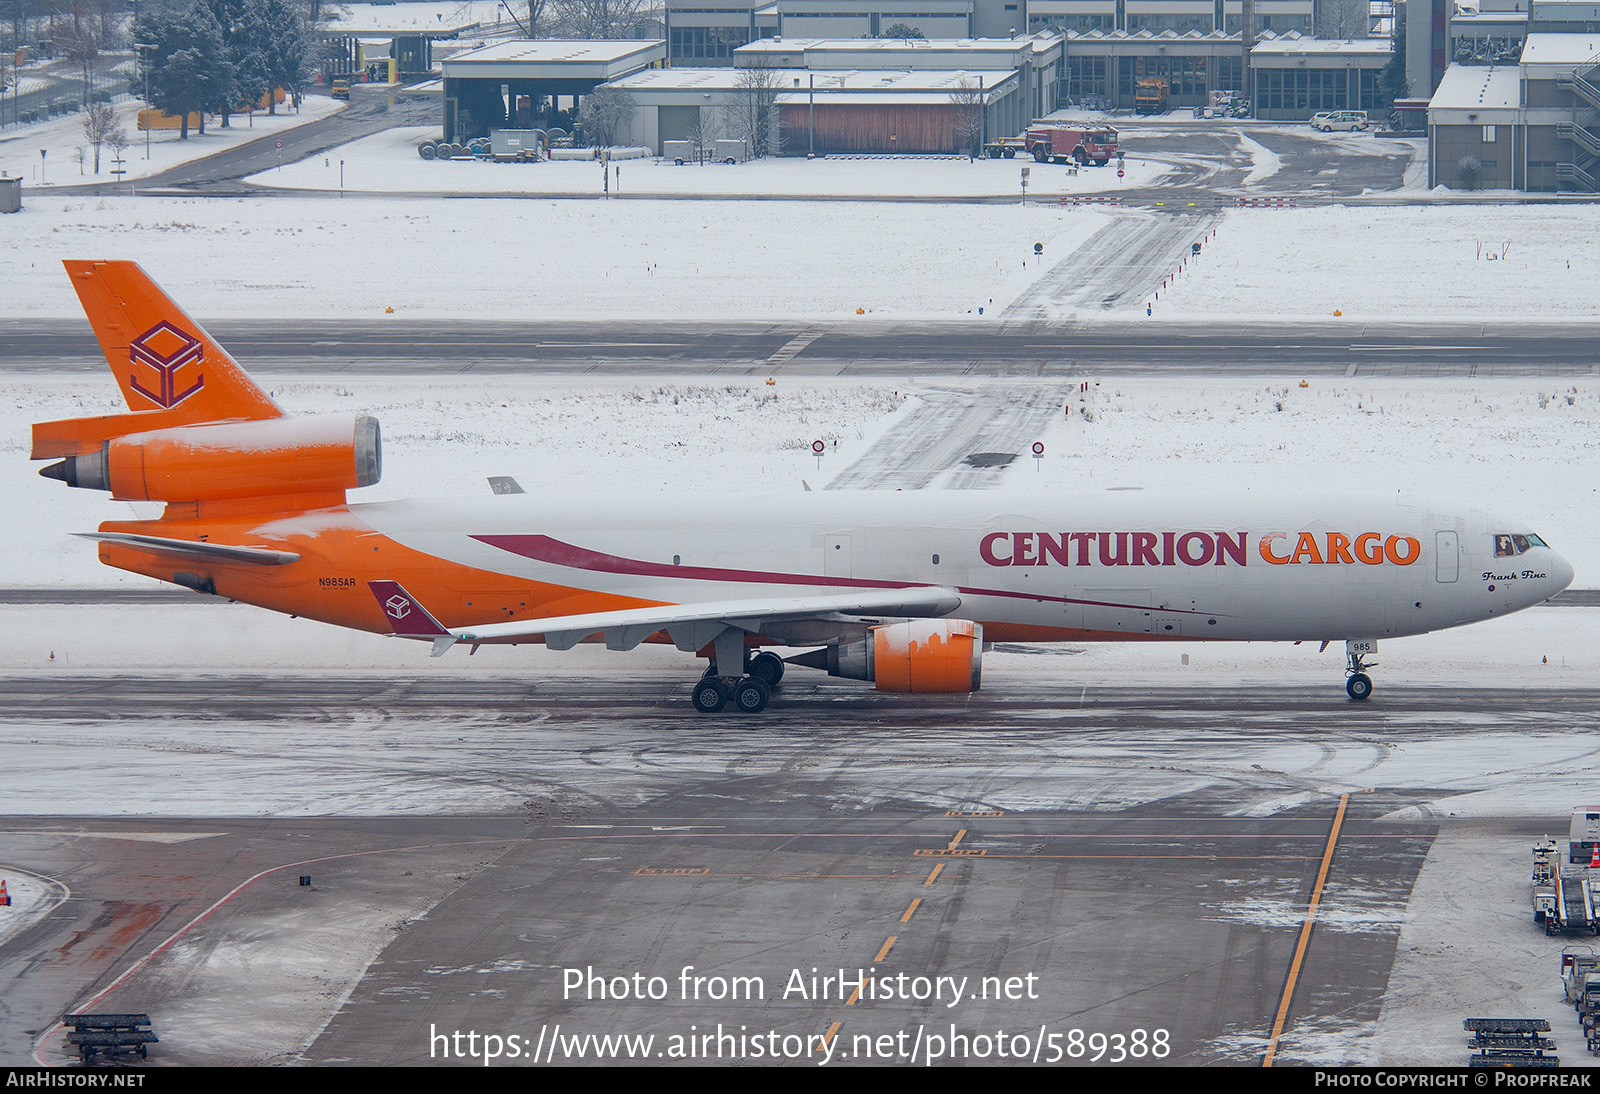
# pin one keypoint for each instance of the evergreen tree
(189, 68)
(1392, 83)
(287, 49)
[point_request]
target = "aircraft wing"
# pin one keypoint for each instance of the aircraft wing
(691, 626)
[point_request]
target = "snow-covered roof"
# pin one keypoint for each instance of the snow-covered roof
(1143, 35)
(559, 50)
(914, 86)
(1560, 49)
(1286, 46)
(894, 45)
(419, 18)
(1477, 88)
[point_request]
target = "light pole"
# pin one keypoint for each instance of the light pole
(811, 124)
(144, 62)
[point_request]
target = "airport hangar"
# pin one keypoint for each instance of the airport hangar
(894, 95)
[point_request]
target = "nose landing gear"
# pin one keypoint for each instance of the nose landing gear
(1359, 684)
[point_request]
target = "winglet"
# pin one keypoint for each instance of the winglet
(408, 617)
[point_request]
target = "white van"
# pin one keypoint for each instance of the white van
(1340, 119)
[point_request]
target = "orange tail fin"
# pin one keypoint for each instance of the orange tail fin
(171, 371)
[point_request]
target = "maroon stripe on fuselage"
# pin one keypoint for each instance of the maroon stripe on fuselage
(554, 551)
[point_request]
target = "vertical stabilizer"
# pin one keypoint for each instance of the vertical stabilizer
(163, 360)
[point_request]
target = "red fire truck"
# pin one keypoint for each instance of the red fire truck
(1058, 144)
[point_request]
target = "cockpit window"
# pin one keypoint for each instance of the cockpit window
(1507, 544)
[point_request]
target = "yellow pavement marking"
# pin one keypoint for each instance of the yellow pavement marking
(885, 951)
(1305, 935)
(911, 910)
(951, 845)
(935, 874)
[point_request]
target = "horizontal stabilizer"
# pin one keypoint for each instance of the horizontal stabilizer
(194, 549)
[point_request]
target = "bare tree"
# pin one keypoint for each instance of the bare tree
(603, 114)
(759, 84)
(80, 40)
(967, 100)
(538, 21)
(1342, 19)
(99, 119)
(600, 18)
(704, 132)
(117, 141)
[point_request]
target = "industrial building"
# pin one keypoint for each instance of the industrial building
(1532, 125)
(520, 84)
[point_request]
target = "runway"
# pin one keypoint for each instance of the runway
(862, 349)
(1145, 857)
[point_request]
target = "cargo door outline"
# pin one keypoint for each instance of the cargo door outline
(838, 558)
(1448, 546)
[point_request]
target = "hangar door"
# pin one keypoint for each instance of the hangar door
(677, 122)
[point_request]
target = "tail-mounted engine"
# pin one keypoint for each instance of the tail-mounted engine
(923, 656)
(229, 460)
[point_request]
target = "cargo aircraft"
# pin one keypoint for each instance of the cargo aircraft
(903, 589)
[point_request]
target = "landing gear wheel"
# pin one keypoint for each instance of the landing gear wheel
(767, 667)
(709, 695)
(1359, 686)
(750, 695)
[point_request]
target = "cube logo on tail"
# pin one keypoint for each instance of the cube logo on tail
(405, 615)
(163, 350)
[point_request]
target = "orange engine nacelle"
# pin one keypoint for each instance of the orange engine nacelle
(228, 460)
(922, 656)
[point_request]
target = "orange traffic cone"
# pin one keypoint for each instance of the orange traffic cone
(5, 897)
(1594, 864)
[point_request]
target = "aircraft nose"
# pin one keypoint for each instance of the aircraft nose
(1561, 572)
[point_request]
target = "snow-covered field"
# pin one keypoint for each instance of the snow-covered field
(1478, 261)
(387, 162)
(791, 260)
(62, 137)
(295, 256)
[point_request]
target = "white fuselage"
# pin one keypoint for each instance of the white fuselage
(1107, 565)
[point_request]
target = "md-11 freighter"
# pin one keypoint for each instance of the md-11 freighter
(904, 589)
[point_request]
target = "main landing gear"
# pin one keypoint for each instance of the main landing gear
(1359, 684)
(749, 693)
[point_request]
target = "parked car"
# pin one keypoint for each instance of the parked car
(1340, 119)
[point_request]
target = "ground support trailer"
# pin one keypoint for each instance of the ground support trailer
(1510, 1042)
(1564, 894)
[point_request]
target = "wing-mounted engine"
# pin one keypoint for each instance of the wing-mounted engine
(229, 460)
(922, 656)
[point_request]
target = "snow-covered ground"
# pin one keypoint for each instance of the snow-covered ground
(669, 259)
(1408, 262)
(793, 260)
(61, 138)
(388, 162)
